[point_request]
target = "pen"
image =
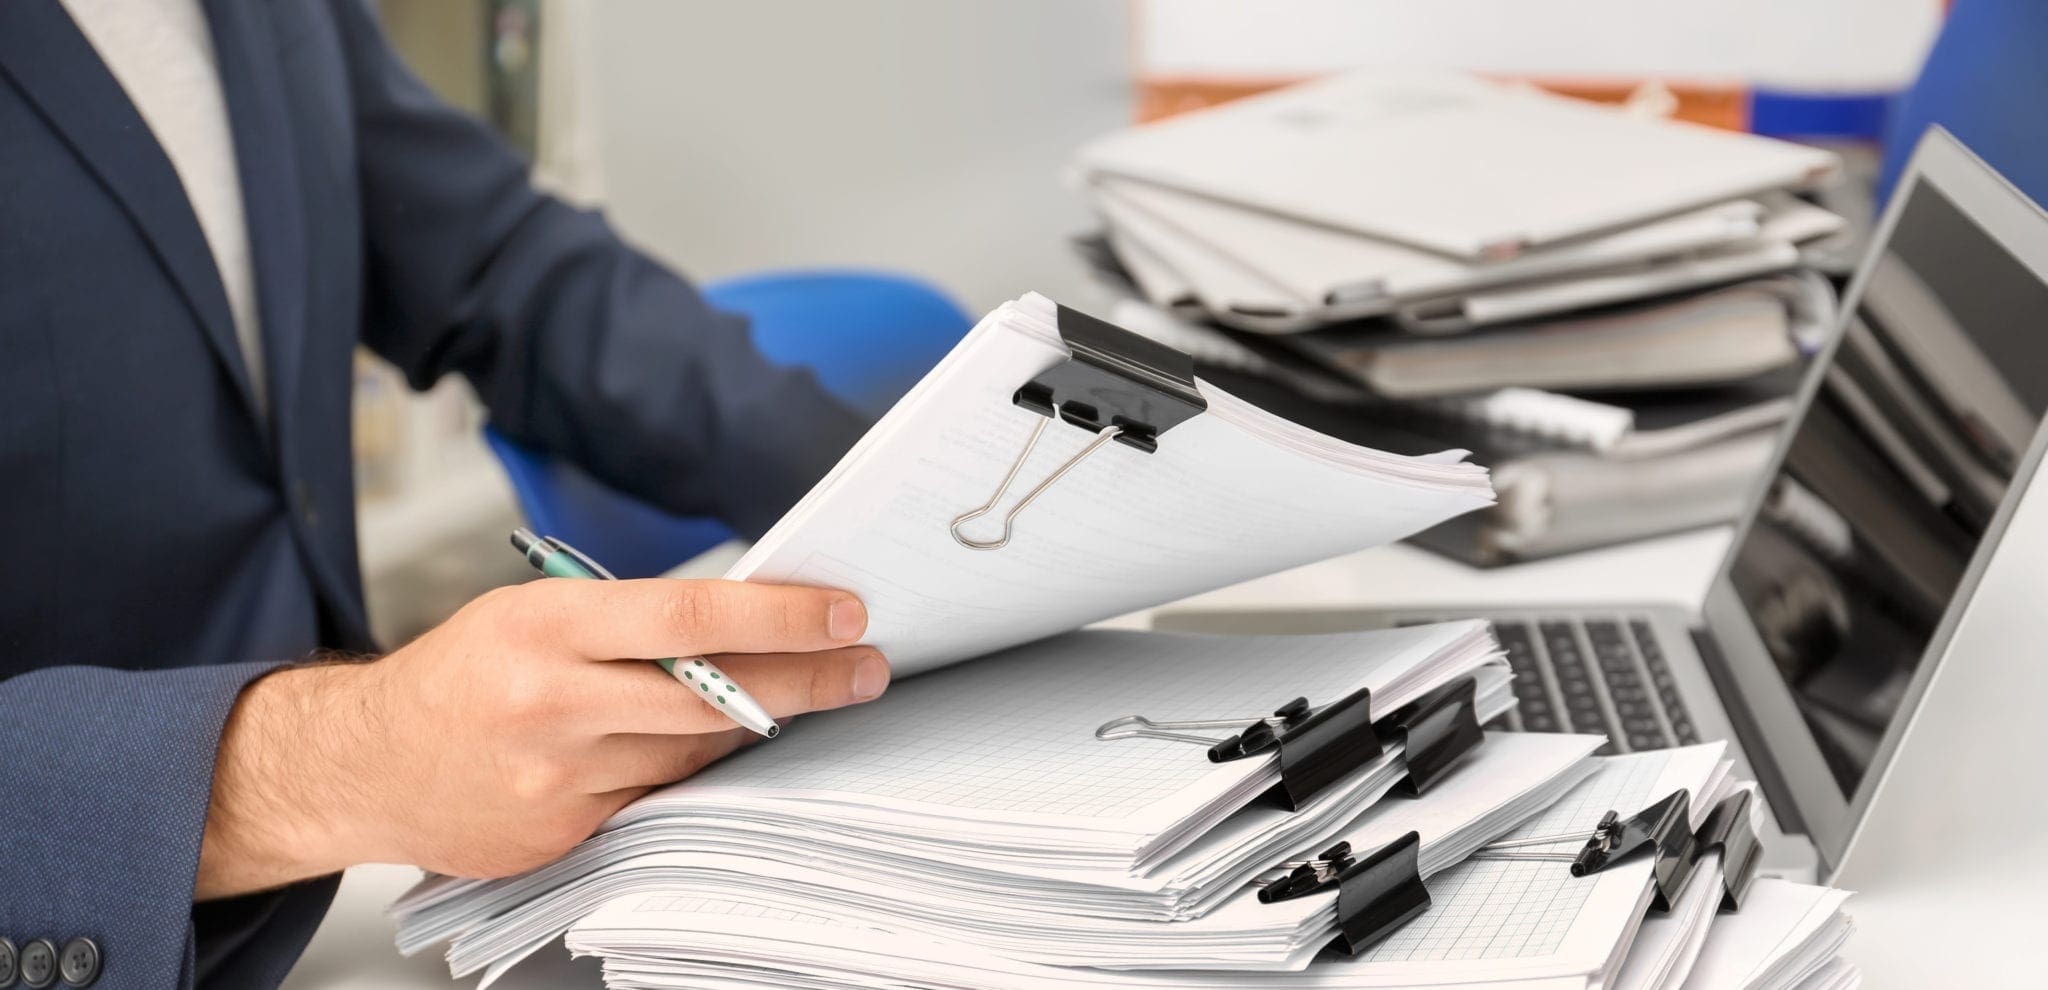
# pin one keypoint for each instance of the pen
(554, 558)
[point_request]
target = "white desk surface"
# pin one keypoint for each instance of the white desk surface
(353, 948)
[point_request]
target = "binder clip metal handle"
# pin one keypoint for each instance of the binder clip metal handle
(1010, 518)
(1306, 876)
(1319, 746)
(1664, 828)
(1118, 385)
(1140, 727)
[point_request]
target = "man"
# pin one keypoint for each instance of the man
(204, 206)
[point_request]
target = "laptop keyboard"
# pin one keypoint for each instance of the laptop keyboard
(1606, 676)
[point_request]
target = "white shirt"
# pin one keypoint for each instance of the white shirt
(162, 54)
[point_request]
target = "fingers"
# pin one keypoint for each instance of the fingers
(643, 698)
(654, 618)
(620, 762)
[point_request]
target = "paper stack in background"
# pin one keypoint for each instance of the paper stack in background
(1609, 309)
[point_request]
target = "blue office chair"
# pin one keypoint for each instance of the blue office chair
(869, 336)
(1984, 80)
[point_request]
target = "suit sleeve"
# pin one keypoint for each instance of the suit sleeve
(103, 821)
(577, 343)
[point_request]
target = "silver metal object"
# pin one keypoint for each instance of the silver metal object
(1105, 435)
(1140, 727)
(1504, 848)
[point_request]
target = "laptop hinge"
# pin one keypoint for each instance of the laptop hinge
(1768, 777)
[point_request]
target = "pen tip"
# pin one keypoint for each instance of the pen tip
(774, 730)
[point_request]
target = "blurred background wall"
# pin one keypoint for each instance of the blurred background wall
(925, 135)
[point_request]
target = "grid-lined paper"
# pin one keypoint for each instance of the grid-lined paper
(1506, 909)
(1015, 732)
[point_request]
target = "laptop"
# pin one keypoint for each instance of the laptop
(1889, 489)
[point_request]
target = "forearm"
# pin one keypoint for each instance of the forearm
(290, 798)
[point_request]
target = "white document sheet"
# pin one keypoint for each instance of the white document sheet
(1785, 933)
(1667, 944)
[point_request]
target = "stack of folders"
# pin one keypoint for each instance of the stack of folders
(1492, 267)
(1035, 804)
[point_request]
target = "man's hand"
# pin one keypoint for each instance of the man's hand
(497, 741)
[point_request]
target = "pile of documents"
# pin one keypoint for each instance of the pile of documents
(1492, 267)
(981, 795)
(1493, 922)
(1035, 805)
(1139, 485)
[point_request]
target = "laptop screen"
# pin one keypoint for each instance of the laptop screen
(1894, 474)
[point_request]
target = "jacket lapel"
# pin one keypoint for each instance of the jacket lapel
(252, 82)
(53, 65)
(267, 154)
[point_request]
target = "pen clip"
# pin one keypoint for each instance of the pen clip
(576, 555)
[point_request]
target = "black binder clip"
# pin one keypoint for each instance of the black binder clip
(1731, 829)
(1320, 746)
(1116, 384)
(1665, 829)
(1438, 728)
(1382, 891)
(1375, 894)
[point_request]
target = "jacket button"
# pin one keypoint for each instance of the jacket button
(8, 967)
(38, 963)
(79, 964)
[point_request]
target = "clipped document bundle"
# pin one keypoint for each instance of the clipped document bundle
(1506, 912)
(1050, 472)
(1022, 785)
(1055, 470)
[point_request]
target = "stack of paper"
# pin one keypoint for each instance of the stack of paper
(1493, 922)
(1403, 241)
(1058, 923)
(1788, 936)
(1443, 200)
(987, 779)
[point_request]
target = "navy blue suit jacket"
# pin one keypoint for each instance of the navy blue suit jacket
(164, 544)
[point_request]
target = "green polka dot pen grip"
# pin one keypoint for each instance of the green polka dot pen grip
(554, 558)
